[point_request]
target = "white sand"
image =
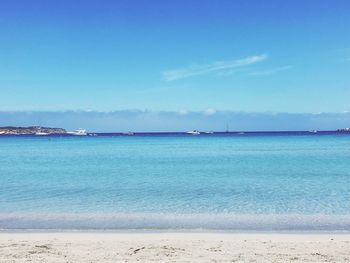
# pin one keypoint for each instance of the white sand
(173, 247)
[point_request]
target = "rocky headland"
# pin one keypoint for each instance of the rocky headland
(11, 130)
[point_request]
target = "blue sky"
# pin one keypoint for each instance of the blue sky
(179, 56)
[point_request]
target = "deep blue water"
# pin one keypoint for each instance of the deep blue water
(295, 181)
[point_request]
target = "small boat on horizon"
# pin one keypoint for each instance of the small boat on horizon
(78, 132)
(313, 131)
(129, 133)
(194, 132)
(343, 130)
(40, 133)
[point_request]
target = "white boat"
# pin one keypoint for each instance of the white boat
(39, 133)
(194, 132)
(78, 132)
(313, 131)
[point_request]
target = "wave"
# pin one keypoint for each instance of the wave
(123, 221)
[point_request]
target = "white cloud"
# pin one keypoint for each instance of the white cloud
(230, 72)
(175, 74)
(183, 112)
(210, 111)
(270, 71)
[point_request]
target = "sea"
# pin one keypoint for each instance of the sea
(262, 181)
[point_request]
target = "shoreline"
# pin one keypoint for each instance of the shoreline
(175, 231)
(241, 133)
(175, 222)
(173, 247)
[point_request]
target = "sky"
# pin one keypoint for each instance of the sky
(184, 57)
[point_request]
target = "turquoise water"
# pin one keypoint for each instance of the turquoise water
(176, 182)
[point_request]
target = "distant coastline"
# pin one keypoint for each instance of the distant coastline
(38, 130)
(32, 130)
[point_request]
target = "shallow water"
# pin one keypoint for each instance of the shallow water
(179, 182)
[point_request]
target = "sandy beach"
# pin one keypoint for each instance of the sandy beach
(173, 247)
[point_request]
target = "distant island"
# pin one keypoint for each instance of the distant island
(41, 131)
(32, 130)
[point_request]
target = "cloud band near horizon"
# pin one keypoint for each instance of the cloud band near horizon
(148, 121)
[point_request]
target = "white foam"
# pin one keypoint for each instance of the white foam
(254, 222)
